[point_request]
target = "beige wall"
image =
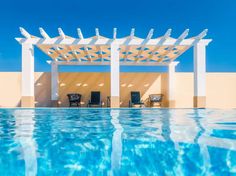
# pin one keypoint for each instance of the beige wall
(221, 88)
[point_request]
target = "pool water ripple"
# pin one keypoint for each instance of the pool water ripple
(117, 142)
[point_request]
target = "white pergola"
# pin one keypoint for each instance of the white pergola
(100, 50)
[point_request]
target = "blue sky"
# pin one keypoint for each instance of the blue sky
(216, 15)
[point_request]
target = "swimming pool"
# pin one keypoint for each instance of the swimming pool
(117, 142)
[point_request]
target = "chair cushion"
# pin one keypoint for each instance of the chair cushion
(155, 97)
(135, 98)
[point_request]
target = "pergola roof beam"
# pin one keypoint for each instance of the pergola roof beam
(197, 39)
(80, 33)
(200, 36)
(161, 41)
(108, 63)
(98, 47)
(149, 36)
(86, 52)
(132, 33)
(128, 47)
(114, 33)
(43, 33)
(177, 42)
(61, 33)
(46, 36)
(25, 33)
(97, 32)
(134, 49)
(166, 35)
(63, 36)
(74, 54)
(58, 50)
(182, 37)
(105, 41)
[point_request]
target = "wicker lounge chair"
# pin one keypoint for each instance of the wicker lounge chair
(74, 99)
(155, 98)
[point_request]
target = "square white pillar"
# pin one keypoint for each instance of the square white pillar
(27, 74)
(115, 76)
(171, 84)
(54, 84)
(199, 98)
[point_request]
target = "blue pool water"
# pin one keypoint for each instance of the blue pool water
(117, 142)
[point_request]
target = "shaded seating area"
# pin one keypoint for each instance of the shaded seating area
(74, 99)
(95, 99)
(135, 99)
(155, 99)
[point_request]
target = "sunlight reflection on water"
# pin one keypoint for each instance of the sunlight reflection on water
(117, 142)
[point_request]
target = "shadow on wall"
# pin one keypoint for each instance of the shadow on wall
(43, 90)
(145, 83)
(84, 83)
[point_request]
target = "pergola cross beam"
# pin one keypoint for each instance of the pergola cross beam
(160, 43)
(86, 51)
(25, 33)
(194, 42)
(177, 42)
(56, 48)
(73, 53)
(114, 33)
(66, 48)
(98, 46)
(128, 47)
(143, 46)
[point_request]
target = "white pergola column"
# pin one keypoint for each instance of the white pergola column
(54, 84)
(115, 76)
(27, 76)
(171, 84)
(199, 99)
